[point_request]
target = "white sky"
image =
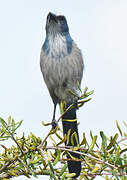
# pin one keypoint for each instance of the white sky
(100, 29)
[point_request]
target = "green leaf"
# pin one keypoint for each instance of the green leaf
(123, 150)
(115, 174)
(44, 171)
(4, 124)
(73, 93)
(63, 140)
(89, 93)
(58, 136)
(52, 139)
(57, 157)
(32, 172)
(117, 155)
(113, 141)
(85, 90)
(9, 119)
(76, 138)
(35, 161)
(82, 102)
(62, 106)
(45, 124)
(44, 163)
(51, 167)
(52, 176)
(79, 86)
(92, 144)
(118, 128)
(91, 135)
(96, 168)
(68, 136)
(63, 177)
(104, 139)
(18, 125)
(2, 138)
(83, 142)
(13, 124)
(70, 175)
(63, 170)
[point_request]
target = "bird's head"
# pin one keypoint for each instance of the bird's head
(56, 24)
(58, 42)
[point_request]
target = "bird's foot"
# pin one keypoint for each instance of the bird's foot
(54, 124)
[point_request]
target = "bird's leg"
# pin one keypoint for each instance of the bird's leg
(75, 102)
(76, 105)
(54, 123)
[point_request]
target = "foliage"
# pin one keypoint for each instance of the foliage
(32, 156)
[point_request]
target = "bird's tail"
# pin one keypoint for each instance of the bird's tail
(70, 128)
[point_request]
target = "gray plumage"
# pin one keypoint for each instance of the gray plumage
(61, 68)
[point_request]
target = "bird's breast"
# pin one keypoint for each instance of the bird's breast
(55, 46)
(61, 73)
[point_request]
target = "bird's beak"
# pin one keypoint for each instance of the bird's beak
(52, 17)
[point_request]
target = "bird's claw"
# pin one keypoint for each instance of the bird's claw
(54, 124)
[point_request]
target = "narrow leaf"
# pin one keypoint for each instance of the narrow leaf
(76, 137)
(72, 139)
(9, 119)
(51, 167)
(83, 142)
(89, 93)
(63, 140)
(118, 128)
(85, 90)
(79, 86)
(123, 150)
(57, 158)
(92, 144)
(96, 168)
(117, 155)
(113, 141)
(70, 175)
(58, 136)
(19, 124)
(45, 124)
(104, 139)
(63, 170)
(68, 136)
(4, 124)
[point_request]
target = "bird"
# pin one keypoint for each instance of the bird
(62, 66)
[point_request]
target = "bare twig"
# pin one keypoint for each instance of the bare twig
(83, 154)
(16, 143)
(121, 140)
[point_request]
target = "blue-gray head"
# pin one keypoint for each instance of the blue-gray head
(56, 24)
(57, 32)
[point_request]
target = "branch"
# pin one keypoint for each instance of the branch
(82, 154)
